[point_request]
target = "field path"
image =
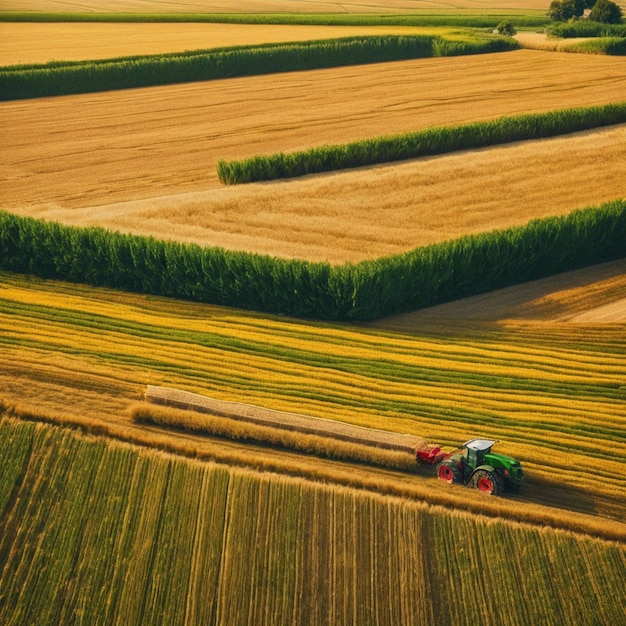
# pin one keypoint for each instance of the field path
(80, 159)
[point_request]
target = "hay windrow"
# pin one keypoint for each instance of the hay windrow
(328, 438)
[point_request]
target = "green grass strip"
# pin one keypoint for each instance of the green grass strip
(368, 290)
(56, 78)
(430, 141)
(482, 20)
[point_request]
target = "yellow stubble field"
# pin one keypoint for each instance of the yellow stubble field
(274, 6)
(144, 160)
(34, 42)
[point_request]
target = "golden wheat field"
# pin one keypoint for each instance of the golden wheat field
(144, 160)
(105, 519)
(30, 42)
(274, 6)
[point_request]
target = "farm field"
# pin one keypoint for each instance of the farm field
(552, 390)
(63, 156)
(104, 519)
(211, 544)
(274, 6)
(29, 42)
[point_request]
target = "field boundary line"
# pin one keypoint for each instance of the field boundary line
(369, 290)
(528, 18)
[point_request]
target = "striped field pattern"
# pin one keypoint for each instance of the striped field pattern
(553, 393)
(102, 532)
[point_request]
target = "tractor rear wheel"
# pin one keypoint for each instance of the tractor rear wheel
(487, 482)
(449, 472)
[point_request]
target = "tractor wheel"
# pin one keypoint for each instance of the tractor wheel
(487, 482)
(449, 472)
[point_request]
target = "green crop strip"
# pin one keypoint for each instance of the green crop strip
(586, 28)
(427, 142)
(486, 384)
(555, 405)
(482, 20)
(372, 289)
(83, 77)
(124, 332)
(602, 45)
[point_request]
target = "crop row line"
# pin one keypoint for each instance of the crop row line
(602, 528)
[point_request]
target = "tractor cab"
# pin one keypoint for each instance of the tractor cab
(476, 449)
(470, 456)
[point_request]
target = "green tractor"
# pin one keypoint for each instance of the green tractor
(475, 465)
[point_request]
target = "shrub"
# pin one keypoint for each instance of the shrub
(506, 28)
(586, 28)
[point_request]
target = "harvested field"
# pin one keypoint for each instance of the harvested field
(346, 216)
(273, 6)
(568, 298)
(28, 42)
(541, 41)
(139, 161)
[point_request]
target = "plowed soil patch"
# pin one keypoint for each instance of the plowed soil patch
(82, 159)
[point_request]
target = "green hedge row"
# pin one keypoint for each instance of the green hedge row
(425, 276)
(586, 28)
(64, 78)
(434, 140)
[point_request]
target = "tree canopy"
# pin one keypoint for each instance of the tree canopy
(605, 11)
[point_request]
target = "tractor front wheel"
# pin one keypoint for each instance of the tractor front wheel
(449, 472)
(487, 482)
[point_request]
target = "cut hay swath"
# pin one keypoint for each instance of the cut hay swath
(283, 420)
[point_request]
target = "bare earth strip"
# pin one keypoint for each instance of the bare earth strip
(274, 6)
(29, 42)
(144, 160)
